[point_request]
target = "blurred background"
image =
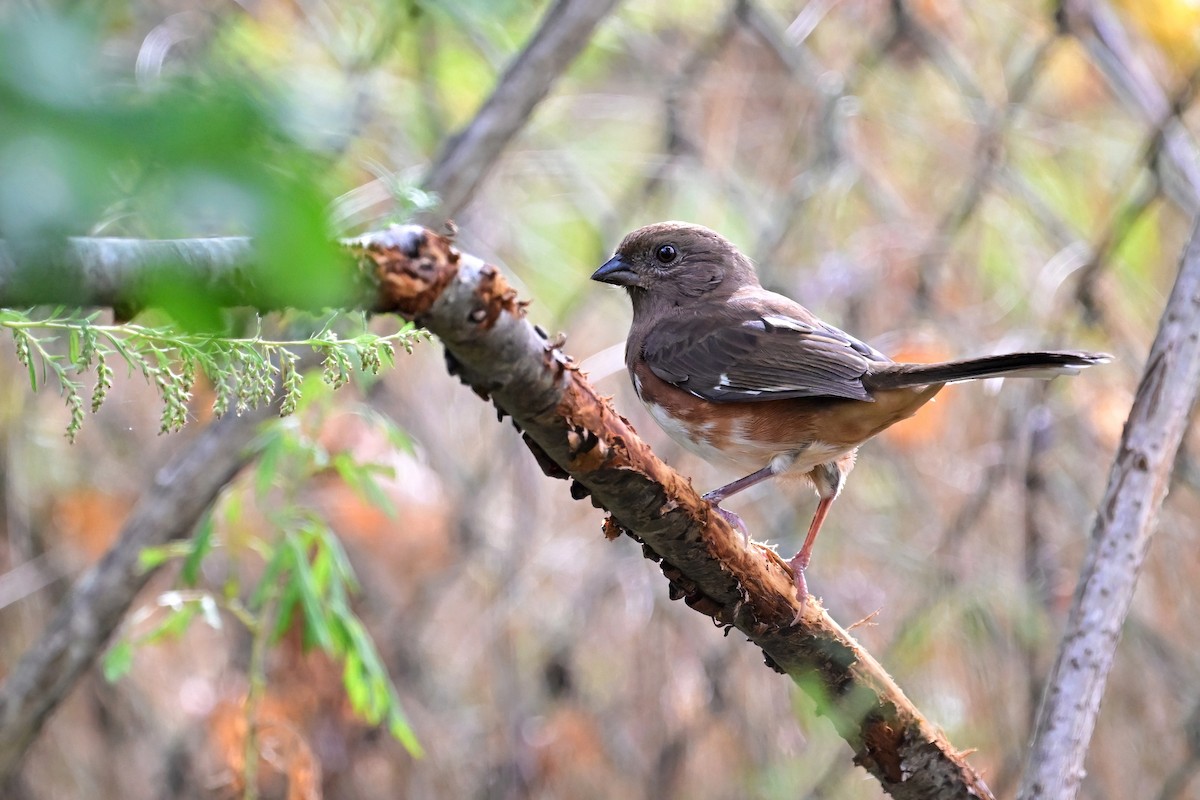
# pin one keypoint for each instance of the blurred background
(940, 178)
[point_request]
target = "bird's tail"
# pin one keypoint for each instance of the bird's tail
(1045, 365)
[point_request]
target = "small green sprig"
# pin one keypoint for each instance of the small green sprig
(305, 580)
(244, 371)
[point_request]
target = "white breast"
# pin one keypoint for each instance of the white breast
(741, 450)
(683, 435)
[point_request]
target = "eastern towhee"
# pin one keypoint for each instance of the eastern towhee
(734, 372)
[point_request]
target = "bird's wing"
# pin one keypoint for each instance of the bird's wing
(759, 351)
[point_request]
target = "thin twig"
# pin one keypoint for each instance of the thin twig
(989, 149)
(1126, 522)
(469, 155)
(1106, 41)
(256, 674)
(183, 488)
(1144, 192)
(834, 147)
(676, 142)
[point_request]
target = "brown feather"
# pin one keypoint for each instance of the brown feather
(735, 372)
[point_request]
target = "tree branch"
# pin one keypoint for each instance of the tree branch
(183, 488)
(467, 156)
(1141, 473)
(111, 272)
(1108, 45)
(114, 272)
(1128, 517)
(575, 433)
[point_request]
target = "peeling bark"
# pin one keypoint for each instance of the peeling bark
(575, 432)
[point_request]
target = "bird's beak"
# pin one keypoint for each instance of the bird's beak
(617, 272)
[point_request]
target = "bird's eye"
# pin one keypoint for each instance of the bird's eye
(666, 254)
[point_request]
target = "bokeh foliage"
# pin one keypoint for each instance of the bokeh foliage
(85, 150)
(906, 188)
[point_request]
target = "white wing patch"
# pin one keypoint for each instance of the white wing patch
(779, 321)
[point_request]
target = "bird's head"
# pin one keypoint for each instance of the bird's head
(669, 262)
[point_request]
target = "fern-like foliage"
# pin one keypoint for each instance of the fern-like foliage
(244, 371)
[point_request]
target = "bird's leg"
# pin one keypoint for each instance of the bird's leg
(800, 561)
(827, 479)
(717, 495)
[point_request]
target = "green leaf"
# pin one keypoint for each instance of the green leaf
(201, 545)
(176, 622)
(361, 479)
(118, 660)
(268, 460)
(280, 561)
(151, 558)
(287, 611)
(322, 570)
(316, 626)
(345, 570)
(232, 510)
(401, 731)
(337, 621)
(355, 682)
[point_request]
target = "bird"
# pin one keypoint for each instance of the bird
(739, 374)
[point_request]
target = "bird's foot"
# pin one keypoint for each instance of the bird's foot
(798, 564)
(732, 518)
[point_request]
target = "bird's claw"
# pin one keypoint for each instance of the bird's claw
(801, 585)
(735, 521)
